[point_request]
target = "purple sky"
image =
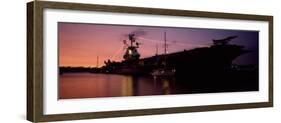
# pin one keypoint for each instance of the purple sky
(80, 44)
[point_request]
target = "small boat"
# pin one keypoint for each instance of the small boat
(164, 73)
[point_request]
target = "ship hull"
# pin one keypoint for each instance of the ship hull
(215, 58)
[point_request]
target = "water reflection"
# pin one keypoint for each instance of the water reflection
(127, 86)
(86, 85)
(166, 86)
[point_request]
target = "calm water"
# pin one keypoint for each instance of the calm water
(89, 85)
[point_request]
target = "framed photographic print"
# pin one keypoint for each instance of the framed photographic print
(97, 61)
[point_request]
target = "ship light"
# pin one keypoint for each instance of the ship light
(130, 52)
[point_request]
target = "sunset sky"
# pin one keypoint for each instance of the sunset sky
(81, 44)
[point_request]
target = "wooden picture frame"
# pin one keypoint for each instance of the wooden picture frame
(35, 60)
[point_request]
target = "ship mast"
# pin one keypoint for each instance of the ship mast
(97, 61)
(131, 52)
(165, 45)
(165, 49)
(156, 50)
